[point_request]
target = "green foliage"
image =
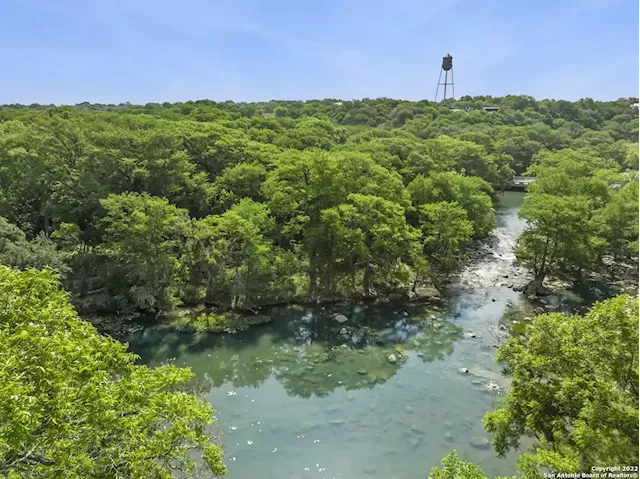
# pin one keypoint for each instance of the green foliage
(146, 207)
(445, 230)
(75, 405)
(559, 238)
(454, 468)
(143, 237)
(578, 209)
(370, 236)
(618, 221)
(631, 156)
(214, 323)
(191, 322)
(471, 193)
(241, 266)
(240, 181)
(575, 389)
(18, 252)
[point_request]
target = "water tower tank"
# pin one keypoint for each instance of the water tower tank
(447, 62)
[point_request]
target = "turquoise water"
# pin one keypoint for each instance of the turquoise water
(303, 398)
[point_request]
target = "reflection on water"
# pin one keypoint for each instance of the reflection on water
(308, 396)
(308, 351)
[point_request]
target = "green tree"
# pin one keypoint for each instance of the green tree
(471, 193)
(574, 388)
(240, 181)
(455, 468)
(445, 230)
(559, 238)
(18, 252)
(631, 156)
(74, 404)
(377, 239)
(143, 237)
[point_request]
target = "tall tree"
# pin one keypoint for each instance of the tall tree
(559, 238)
(377, 236)
(445, 230)
(144, 237)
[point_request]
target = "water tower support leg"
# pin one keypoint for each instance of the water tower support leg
(438, 87)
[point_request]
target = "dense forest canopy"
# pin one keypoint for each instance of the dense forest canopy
(238, 205)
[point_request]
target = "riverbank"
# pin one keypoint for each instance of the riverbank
(616, 277)
(200, 319)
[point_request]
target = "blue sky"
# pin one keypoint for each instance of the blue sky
(112, 51)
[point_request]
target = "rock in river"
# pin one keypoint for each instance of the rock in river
(416, 429)
(492, 386)
(414, 441)
(463, 370)
(341, 318)
(480, 442)
(392, 358)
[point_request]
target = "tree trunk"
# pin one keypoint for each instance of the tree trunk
(366, 281)
(535, 287)
(313, 274)
(639, 277)
(313, 282)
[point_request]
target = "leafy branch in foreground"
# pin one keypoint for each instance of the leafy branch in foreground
(74, 405)
(575, 389)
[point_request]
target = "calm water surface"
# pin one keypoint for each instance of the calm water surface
(303, 398)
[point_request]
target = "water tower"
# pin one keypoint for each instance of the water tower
(447, 66)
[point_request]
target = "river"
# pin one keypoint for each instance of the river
(302, 398)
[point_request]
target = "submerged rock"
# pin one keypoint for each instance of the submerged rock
(341, 318)
(480, 443)
(448, 437)
(492, 386)
(362, 371)
(415, 441)
(417, 429)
